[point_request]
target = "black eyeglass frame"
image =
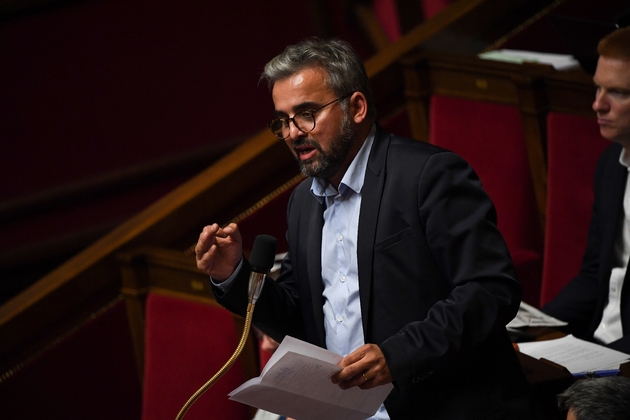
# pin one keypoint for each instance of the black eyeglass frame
(310, 112)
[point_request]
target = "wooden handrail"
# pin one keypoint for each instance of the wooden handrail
(114, 182)
(24, 263)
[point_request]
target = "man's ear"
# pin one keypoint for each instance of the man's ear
(358, 107)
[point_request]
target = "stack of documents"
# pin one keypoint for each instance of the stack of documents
(581, 358)
(296, 383)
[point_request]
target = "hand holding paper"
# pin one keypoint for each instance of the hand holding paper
(296, 382)
(365, 367)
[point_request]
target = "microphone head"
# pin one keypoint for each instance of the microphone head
(263, 253)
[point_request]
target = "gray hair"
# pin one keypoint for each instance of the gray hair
(344, 68)
(598, 398)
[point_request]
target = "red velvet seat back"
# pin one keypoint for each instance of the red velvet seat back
(186, 343)
(573, 147)
(490, 138)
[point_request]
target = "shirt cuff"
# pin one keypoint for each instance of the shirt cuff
(227, 283)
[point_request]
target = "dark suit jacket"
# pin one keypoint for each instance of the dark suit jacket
(582, 301)
(436, 284)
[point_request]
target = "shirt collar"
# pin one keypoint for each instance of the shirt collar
(353, 178)
(624, 158)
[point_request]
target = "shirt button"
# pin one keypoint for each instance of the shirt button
(343, 279)
(340, 198)
(340, 237)
(614, 290)
(339, 318)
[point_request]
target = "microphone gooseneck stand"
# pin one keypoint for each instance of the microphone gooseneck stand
(261, 261)
(225, 368)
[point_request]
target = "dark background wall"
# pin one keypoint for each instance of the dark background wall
(97, 90)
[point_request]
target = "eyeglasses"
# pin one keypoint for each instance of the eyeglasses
(303, 121)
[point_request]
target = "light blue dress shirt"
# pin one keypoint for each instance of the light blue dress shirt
(342, 306)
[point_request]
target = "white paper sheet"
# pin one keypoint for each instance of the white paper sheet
(574, 354)
(558, 61)
(296, 382)
(529, 316)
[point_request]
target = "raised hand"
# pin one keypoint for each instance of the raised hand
(219, 250)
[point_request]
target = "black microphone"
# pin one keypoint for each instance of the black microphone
(261, 260)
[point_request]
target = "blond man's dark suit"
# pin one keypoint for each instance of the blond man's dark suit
(582, 301)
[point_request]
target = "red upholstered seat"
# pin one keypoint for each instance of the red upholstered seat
(490, 138)
(573, 147)
(186, 343)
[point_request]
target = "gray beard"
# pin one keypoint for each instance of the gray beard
(327, 164)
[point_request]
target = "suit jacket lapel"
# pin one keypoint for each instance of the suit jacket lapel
(613, 208)
(371, 194)
(617, 212)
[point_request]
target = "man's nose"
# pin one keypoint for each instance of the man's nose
(600, 104)
(294, 131)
